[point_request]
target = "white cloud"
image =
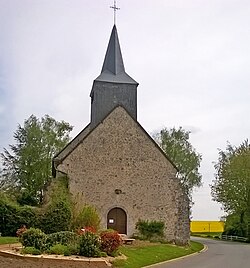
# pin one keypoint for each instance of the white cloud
(191, 59)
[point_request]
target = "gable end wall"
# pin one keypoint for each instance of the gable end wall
(118, 154)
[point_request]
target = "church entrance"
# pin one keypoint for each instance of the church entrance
(117, 220)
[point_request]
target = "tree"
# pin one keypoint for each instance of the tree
(175, 143)
(231, 186)
(27, 165)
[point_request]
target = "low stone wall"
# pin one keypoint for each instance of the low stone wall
(9, 259)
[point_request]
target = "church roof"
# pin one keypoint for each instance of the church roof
(113, 67)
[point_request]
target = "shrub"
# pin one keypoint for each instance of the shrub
(59, 249)
(110, 241)
(34, 238)
(150, 229)
(57, 217)
(31, 250)
(87, 216)
(63, 237)
(89, 245)
(58, 206)
(12, 216)
(73, 249)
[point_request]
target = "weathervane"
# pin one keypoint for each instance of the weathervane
(115, 9)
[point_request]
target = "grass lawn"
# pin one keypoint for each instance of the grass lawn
(8, 240)
(143, 254)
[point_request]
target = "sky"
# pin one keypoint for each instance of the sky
(191, 59)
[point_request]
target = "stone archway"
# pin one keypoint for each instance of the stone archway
(117, 220)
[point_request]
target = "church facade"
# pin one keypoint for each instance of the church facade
(114, 165)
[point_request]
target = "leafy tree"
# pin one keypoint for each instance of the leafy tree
(235, 225)
(27, 164)
(231, 186)
(175, 143)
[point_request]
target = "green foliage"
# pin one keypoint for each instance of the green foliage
(231, 186)
(150, 229)
(64, 238)
(236, 225)
(59, 249)
(31, 250)
(27, 165)
(86, 216)
(89, 245)
(64, 243)
(110, 241)
(13, 216)
(57, 216)
(34, 238)
(175, 143)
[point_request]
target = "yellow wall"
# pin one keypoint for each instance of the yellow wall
(206, 226)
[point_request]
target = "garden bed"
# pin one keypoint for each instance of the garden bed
(10, 257)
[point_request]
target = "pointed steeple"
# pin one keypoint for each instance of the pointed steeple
(113, 87)
(113, 67)
(113, 61)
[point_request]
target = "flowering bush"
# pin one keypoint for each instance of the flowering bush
(89, 245)
(110, 241)
(86, 229)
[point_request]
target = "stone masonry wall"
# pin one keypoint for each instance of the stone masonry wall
(118, 154)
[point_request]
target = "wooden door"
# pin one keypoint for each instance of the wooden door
(117, 220)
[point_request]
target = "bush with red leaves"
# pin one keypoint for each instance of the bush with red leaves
(110, 241)
(86, 229)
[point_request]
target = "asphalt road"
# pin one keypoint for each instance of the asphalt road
(220, 254)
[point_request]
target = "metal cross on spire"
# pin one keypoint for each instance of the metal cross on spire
(115, 9)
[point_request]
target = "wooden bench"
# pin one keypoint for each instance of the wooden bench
(126, 240)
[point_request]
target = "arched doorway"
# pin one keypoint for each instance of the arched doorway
(117, 220)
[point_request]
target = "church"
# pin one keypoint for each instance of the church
(114, 164)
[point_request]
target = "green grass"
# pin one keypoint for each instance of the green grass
(8, 240)
(139, 256)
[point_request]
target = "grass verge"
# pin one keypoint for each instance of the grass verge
(143, 255)
(8, 240)
(208, 235)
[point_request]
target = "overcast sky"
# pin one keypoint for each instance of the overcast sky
(190, 57)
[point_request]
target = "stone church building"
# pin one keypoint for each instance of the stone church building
(116, 166)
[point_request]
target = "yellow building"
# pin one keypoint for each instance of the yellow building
(207, 226)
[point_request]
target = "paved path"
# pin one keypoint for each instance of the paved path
(220, 254)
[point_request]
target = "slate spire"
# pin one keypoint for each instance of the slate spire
(113, 67)
(113, 87)
(113, 61)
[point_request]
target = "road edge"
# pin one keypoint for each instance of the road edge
(180, 258)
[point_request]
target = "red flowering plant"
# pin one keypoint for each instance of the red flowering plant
(84, 230)
(110, 241)
(21, 230)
